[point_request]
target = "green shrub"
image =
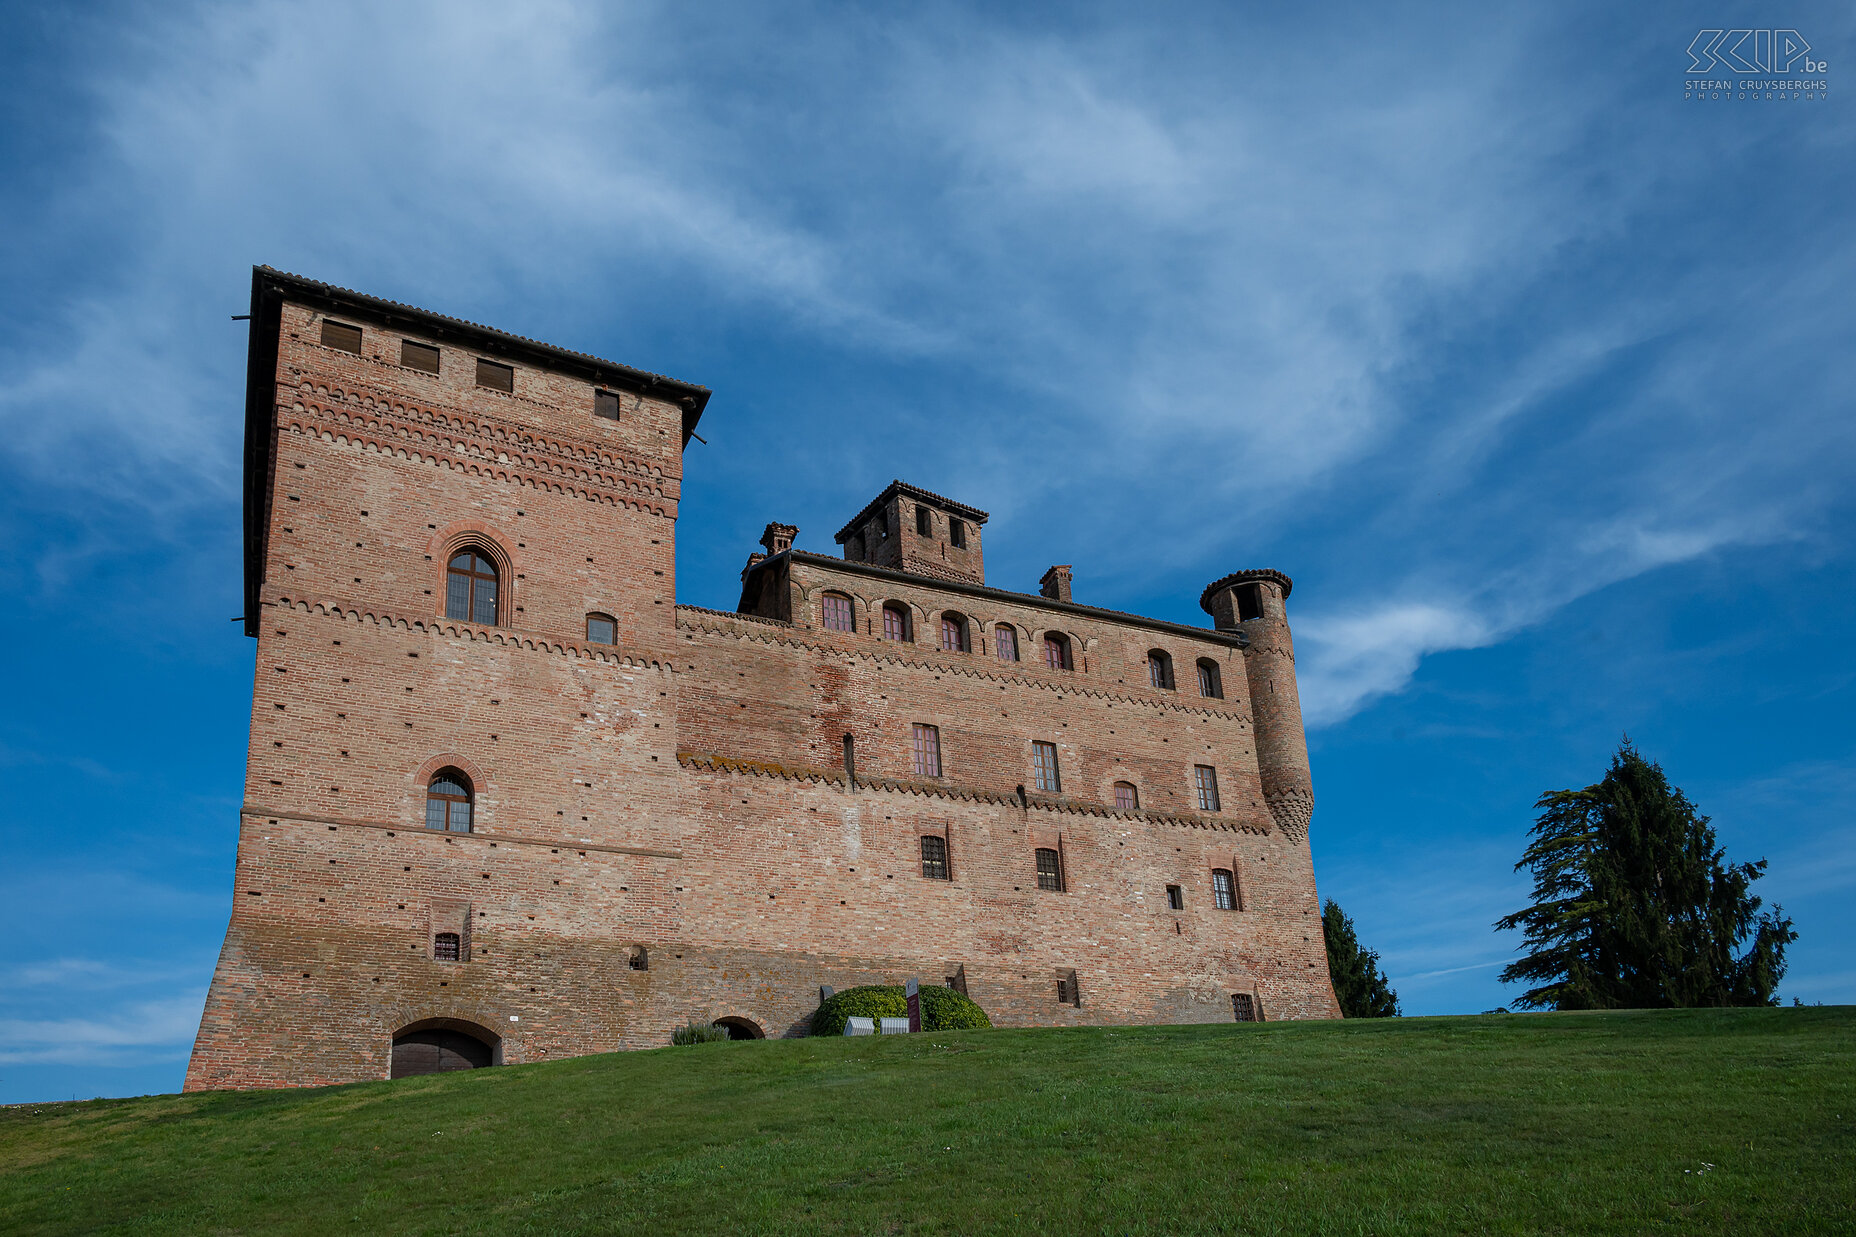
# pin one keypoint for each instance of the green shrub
(943, 1009)
(699, 1033)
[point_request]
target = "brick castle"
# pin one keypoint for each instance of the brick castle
(508, 801)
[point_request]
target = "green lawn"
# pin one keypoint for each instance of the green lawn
(1690, 1121)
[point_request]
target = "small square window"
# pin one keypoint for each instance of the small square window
(422, 357)
(606, 404)
(1244, 1007)
(445, 946)
(496, 377)
(1127, 798)
(601, 630)
(341, 335)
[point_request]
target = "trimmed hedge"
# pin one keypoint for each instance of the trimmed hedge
(943, 1009)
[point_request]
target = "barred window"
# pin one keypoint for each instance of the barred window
(1057, 652)
(601, 629)
(934, 856)
(1160, 669)
(1205, 782)
(895, 622)
(1175, 898)
(926, 742)
(1050, 871)
(1127, 798)
(470, 588)
(1211, 684)
(1044, 768)
(445, 947)
(1224, 890)
(1244, 1007)
(1005, 642)
(448, 802)
(838, 613)
(953, 633)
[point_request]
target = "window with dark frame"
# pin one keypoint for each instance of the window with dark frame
(1050, 870)
(1127, 798)
(446, 947)
(1244, 1007)
(1160, 670)
(925, 742)
(934, 856)
(1211, 683)
(496, 377)
(1044, 767)
(471, 588)
(640, 960)
(957, 532)
(895, 622)
(924, 521)
(1175, 898)
(1005, 642)
(837, 613)
(601, 629)
(342, 336)
(1057, 652)
(1067, 990)
(1249, 602)
(606, 404)
(422, 357)
(953, 633)
(448, 802)
(1205, 783)
(1224, 889)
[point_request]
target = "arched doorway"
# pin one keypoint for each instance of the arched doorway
(440, 1045)
(740, 1028)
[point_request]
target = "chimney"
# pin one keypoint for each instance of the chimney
(1056, 583)
(778, 538)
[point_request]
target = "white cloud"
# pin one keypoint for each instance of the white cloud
(145, 1031)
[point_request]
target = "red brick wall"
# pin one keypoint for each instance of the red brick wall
(682, 791)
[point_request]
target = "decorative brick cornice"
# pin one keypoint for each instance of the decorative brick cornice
(712, 763)
(456, 629)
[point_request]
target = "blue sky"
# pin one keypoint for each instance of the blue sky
(1534, 375)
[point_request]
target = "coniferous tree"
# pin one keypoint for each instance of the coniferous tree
(1359, 985)
(1634, 906)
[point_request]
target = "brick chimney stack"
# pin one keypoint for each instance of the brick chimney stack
(1056, 583)
(778, 538)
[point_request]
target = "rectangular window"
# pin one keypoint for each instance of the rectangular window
(838, 613)
(445, 947)
(926, 741)
(1224, 890)
(924, 522)
(601, 630)
(422, 357)
(1244, 1007)
(606, 404)
(1249, 602)
(1056, 652)
(1205, 782)
(1044, 768)
(1127, 798)
(957, 532)
(895, 623)
(934, 857)
(1050, 870)
(1208, 681)
(1005, 641)
(341, 335)
(496, 377)
(1067, 991)
(953, 635)
(1175, 898)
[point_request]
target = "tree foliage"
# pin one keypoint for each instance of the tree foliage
(1359, 985)
(1634, 905)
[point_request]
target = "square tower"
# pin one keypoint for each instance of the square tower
(909, 529)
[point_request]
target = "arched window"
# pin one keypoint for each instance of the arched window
(601, 629)
(470, 588)
(1160, 669)
(448, 802)
(1210, 682)
(1057, 651)
(895, 621)
(954, 633)
(836, 613)
(1127, 798)
(1224, 889)
(1050, 870)
(1005, 642)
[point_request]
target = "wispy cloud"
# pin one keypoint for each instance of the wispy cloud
(142, 1032)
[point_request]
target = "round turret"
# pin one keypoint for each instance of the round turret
(1251, 602)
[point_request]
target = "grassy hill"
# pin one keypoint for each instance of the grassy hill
(1695, 1121)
